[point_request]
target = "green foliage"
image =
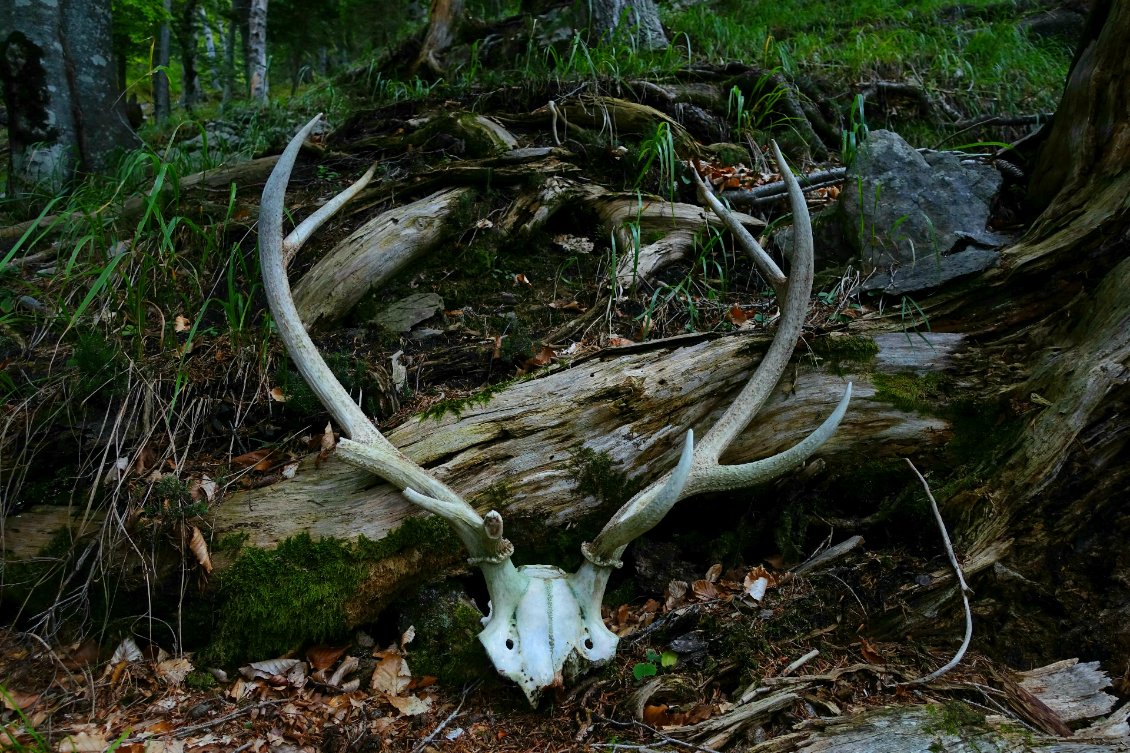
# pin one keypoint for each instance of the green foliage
(654, 663)
(99, 363)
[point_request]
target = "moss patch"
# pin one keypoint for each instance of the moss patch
(270, 601)
(921, 393)
(840, 346)
(447, 627)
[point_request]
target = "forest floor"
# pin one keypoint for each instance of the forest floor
(181, 322)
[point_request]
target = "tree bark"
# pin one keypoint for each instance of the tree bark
(162, 107)
(60, 92)
(443, 24)
(638, 18)
(210, 48)
(186, 40)
(257, 50)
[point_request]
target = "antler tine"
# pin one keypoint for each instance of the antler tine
(763, 261)
(366, 448)
(699, 470)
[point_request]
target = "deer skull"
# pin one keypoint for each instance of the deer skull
(544, 622)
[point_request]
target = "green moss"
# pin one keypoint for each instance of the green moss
(840, 346)
(595, 475)
(446, 645)
(456, 405)
(198, 680)
(954, 718)
(270, 601)
(100, 365)
(922, 393)
(428, 533)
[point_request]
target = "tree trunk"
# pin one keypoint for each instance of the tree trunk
(639, 18)
(60, 92)
(443, 22)
(186, 40)
(162, 107)
(257, 50)
(210, 48)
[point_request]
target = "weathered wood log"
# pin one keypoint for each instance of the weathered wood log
(515, 453)
(373, 253)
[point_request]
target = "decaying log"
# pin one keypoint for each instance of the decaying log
(633, 407)
(372, 254)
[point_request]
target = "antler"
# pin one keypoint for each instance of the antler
(365, 447)
(698, 469)
(543, 621)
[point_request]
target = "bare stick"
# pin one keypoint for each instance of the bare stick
(965, 589)
(427, 740)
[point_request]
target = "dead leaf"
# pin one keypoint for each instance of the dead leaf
(616, 341)
(126, 651)
(704, 590)
(323, 657)
(566, 306)
(544, 356)
(181, 323)
(484, 224)
(83, 655)
(278, 395)
(173, 671)
(676, 595)
(410, 705)
(347, 665)
(17, 699)
(737, 316)
(199, 549)
(657, 716)
(521, 279)
(714, 573)
(84, 742)
(256, 460)
(407, 636)
(868, 651)
(267, 669)
(203, 488)
(146, 459)
(391, 675)
(497, 353)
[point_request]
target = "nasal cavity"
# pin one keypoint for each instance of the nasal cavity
(509, 644)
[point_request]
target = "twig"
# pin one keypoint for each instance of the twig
(660, 735)
(965, 590)
(427, 740)
(776, 190)
(184, 732)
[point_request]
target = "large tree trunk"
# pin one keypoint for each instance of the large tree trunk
(257, 50)
(60, 92)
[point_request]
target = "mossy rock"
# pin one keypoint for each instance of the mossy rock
(447, 625)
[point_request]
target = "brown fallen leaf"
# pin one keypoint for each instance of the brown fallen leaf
(616, 342)
(199, 548)
(256, 460)
(704, 590)
(277, 394)
(323, 657)
(181, 323)
(737, 316)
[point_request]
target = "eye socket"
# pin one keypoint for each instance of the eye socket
(509, 644)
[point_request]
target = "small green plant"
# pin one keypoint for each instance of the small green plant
(659, 150)
(654, 663)
(852, 137)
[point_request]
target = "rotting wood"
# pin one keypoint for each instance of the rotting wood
(372, 254)
(632, 407)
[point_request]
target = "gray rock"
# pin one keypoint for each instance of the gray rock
(401, 316)
(918, 220)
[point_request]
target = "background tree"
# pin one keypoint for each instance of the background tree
(64, 109)
(257, 50)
